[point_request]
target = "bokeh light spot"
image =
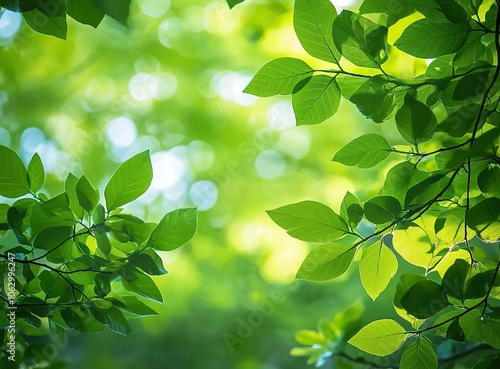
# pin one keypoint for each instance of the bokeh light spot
(167, 86)
(204, 194)
(295, 143)
(168, 170)
(280, 116)
(230, 86)
(270, 164)
(143, 87)
(201, 155)
(154, 8)
(10, 22)
(121, 131)
(31, 139)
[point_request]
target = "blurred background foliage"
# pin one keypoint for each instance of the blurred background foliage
(172, 83)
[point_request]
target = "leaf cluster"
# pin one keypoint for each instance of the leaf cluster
(80, 264)
(439, 208)
(49, 16)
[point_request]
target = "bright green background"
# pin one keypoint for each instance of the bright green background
(178, 75)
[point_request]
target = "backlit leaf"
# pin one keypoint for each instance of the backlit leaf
(376, 268)
(129, 181)
(365, 151)
(427, 39)
(316, 101)
(326, 262)
(278, 77)
(313, 21)
(14, 180)
(381, 337)
(310, 221)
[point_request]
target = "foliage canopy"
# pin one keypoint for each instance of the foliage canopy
(439, 208)
(84, 265)
(49, 16)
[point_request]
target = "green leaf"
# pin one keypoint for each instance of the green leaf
(441, 10)
(49, 21)
(415, 121)
(149, 262)
(375, 99)
(382, 209)
(455, 331)
(326, 262)
(488, 362)
(351, 209)
(381, 337)
(141, 285)
(117, 9)
(70, 190)
(360, 40)
(478, 285)
(19, 5)
(365, 151)
(458, 123)
(99, 216)
(126, 230)
(484, 218)
(4, 222)
(440, 67)
(482, 329)
(400, 178)
(427, 39)
(279, 77)
(376, 268)
(36, 173)
(129, 181)
(85, 11)
(50, 238)
(471, 85)
(115, 320)
(84, 322)
(14, 180)
(413, 244)
(233, 3)
(310, 221)
(419, 355)
(102, 285)
(454, 279)
(425, 190)
(87, 195)
(394, 9)
(135, 307)
(174, 230)
(52, 213)
(313, 21)
(310, 338)
(406, 281)
(349, 84)
(424, 299)
(449, 226)
(103, 242)
(317, 100)
(15, 218)
(491, 16)
(470, 53)
(489, 181)
(53, 285)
